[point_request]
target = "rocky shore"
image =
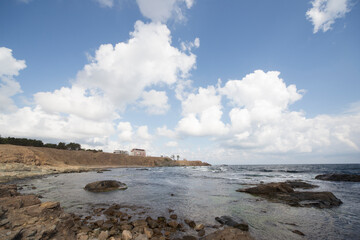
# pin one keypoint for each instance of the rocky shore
(17, 162)
(26, 217)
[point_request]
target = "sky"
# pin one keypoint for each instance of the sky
(226, 82)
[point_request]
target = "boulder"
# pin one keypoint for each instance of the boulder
(226, 220)
(339, 177)
(126, 235)
(105, 186)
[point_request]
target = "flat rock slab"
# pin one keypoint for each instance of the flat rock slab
(105, 186)
(284, 192)
(228, 234)
(339, 177)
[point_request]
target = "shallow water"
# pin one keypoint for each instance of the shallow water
(203, 193)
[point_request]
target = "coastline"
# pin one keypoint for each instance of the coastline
(19, 162)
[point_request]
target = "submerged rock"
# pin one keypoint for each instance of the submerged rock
(339, 177)
(284, 192)
(226, 220)
(229, 234)
(105, 186)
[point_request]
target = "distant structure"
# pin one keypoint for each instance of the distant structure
(121, 152)
(138, 152)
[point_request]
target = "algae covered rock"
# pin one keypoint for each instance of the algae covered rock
(105, 186)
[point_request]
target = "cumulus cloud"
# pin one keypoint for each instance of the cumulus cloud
(163, 10)
(324, 13)
(143, 133)
(202, 114)
(77, 101)
(156, 102)
(123, 71)
(116, 77)
(165, 132)
(9, 68)
(35, 123)
(262, 122)
(125, 131)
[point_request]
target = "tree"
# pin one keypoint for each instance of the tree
(73, 146)
(177, 157)
(61, 145)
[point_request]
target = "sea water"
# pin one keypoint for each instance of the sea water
(203, 193)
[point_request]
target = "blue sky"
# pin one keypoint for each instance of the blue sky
(239, 82)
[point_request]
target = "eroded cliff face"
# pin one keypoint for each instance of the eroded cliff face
(19, 161)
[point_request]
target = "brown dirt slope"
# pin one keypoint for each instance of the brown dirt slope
(61, 158)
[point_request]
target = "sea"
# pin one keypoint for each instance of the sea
(203, 193)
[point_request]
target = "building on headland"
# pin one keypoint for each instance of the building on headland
(121, 152)
(138, 152)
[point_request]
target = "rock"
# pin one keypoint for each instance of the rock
(140, 223)
(141, 237)
(226, 220)
(161, 219)
(126, 235)
(199, 227)
(284, 193)
(173, 216)
(191, 223)
(126, 227)
(188, 237)
(301, 184)
(339, 177)
(103, 235)
(148, 232)
(201, 233)
(268, 189)
(229, 234)
(152, 223)
(298, 232)
(173, 224)
(105, 186)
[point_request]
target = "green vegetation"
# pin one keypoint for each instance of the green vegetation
(39, 143)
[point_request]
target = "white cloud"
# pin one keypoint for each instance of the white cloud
(202, 114)
(106, 3)
(123, 71)
(171, 144)
(324, 13)
(35, 123)
(77, 101)
(262, 122)
(125, 131)
(188, 46)
(163, 10)
(165, 132)
(142, 132)
(156, 102)
(9, 67)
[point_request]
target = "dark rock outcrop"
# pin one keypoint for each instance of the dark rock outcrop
(284, 192)
(105, 186)
(339, 177)
(226, 220)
